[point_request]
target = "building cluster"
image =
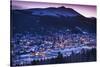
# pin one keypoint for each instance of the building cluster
(28, 47)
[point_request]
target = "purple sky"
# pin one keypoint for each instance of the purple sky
(86, 10)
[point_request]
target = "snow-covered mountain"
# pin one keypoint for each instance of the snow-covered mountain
(48, 18)
(57, 12)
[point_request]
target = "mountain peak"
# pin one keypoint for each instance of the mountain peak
(60, 11)
(62, 7)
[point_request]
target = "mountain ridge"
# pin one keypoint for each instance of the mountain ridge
(52, 18)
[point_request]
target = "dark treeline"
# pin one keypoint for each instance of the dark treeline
(84, 56)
